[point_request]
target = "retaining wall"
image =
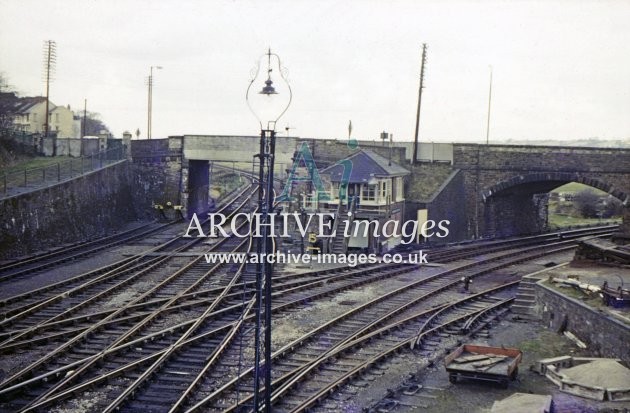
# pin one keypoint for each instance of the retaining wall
(85, 207)
(604, 336)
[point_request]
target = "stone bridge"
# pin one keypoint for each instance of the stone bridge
(506, 185)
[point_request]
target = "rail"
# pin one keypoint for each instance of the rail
(162, 352)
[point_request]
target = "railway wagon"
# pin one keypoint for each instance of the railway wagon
(494, 364)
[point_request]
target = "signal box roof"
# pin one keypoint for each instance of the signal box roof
(365, 164)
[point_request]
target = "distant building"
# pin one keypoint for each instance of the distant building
(61, 121)
(28, 114)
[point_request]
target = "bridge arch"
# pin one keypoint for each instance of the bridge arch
(556, 179)
(518, 205)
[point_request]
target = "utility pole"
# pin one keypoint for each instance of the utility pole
(489, 103)
(84, 129)
(415, 141)
(50, 58)
(150, 103)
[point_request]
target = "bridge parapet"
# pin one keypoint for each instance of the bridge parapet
(505, 184)
(541, 158)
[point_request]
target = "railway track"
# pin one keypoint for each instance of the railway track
(345, 362)
(430, 292)
(20, 307)
(173, 359)
(37, 263)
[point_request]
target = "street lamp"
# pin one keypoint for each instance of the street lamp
(267, 105)
(150, 105)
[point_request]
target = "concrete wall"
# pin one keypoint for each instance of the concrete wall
(85, 207)
(53, 146)
(429, 151)
(236, 148)
(69, 147)
(605, 336)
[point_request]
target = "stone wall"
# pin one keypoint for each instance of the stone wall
(86, 207)
(604, 336)
(425, 180)
(498, 178)
(157, 173)
(444, 202)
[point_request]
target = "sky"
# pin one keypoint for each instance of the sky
(560, 69)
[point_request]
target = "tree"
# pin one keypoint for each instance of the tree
(586, 203)
(8, 100)
(611, 207)
(93, 124)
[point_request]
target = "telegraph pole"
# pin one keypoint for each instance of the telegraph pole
(84, 129)
(489, 103)
(50, 58)
(415, 141)
(149, 105)
(150, 102)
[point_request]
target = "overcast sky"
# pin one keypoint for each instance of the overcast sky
(561, 68)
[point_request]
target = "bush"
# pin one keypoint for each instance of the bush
(586, 203)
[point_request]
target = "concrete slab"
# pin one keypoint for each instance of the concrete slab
(600, 379)
(603, 373)
(523, 403)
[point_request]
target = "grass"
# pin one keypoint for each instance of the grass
(36, 162)
(592, 300)
(561, 221)
(570, 217)
(530, 346)
(574, 187)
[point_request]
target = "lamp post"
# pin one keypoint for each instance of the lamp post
(150, 103)
(268, 105)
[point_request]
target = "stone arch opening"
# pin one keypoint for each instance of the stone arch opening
(518, 205)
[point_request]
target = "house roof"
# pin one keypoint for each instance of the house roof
(15, 105)
(365, 164)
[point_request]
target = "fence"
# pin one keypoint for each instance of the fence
(14, 139)
(29, 179)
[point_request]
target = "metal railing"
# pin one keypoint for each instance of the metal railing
(23, 180)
